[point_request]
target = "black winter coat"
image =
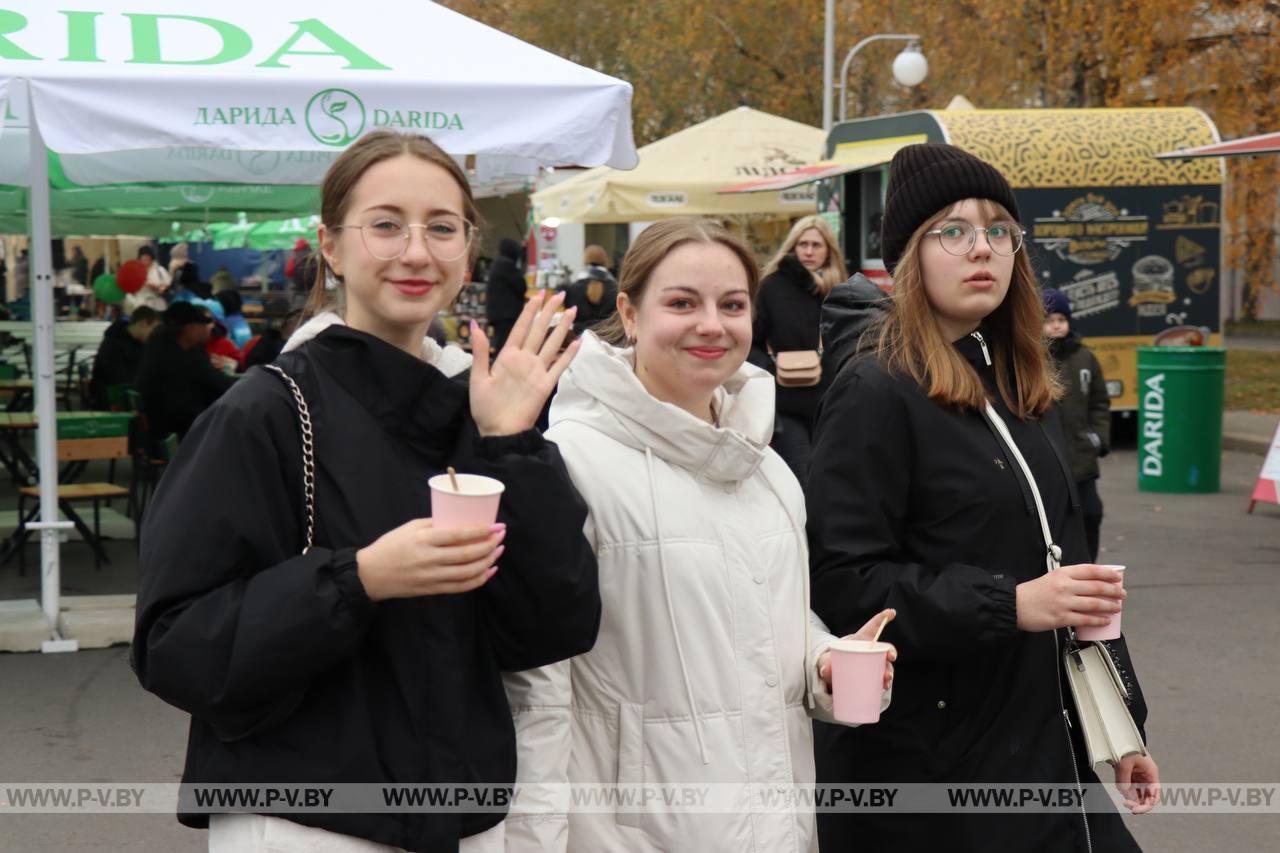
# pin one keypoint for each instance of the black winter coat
(1085, 405)
(918, 507)
(504, 290)
(288, 669)
(116, 363)
(849, 318)
(176, 385)
(788, 311)
(591, 313)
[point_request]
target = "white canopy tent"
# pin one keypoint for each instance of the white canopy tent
(267, 93)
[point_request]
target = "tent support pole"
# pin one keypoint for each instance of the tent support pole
(45, 382)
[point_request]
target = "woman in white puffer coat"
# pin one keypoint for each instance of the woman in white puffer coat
(707, 665)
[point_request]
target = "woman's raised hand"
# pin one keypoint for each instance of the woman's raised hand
(1076, 596)
(507, 397)
(417, 559)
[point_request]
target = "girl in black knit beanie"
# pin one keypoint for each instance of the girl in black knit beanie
(915, 503)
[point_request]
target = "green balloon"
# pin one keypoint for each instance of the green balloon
(106, 289)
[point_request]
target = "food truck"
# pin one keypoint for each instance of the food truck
(1134, 242)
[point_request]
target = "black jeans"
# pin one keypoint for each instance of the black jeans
(792, 440)
(1091, 507)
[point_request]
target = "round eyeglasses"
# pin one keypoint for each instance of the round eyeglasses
(958, 237)
(387, 238)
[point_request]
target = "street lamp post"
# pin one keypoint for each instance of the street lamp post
(828, 61)
(909, 67)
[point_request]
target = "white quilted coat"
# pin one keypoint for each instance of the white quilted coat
(705, 660)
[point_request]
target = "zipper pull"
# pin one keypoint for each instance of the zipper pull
(986, 356)
(1067, 717)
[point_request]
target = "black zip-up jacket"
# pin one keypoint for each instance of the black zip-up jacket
(788, 311)
(504, 290)
(289, 671)
(918, 507)
(1085, 405)
(116, 363)
(176, 384)
(849, 319)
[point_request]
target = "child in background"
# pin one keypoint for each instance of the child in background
(1085, 407)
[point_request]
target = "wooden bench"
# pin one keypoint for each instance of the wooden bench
(76, 451)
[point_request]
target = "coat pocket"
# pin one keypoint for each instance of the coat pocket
(630, 762)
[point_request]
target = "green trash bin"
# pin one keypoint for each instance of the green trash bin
(1180, 393)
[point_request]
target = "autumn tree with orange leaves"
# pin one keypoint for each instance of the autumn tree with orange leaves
(691, 59)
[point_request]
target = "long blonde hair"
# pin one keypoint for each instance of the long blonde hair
(912, 343)
(832, 272)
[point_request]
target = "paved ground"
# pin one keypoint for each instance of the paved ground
(1204, 580)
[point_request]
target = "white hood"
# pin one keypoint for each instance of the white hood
(450, 360)
(601, 389)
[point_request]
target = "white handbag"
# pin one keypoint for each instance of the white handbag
(1101, 699)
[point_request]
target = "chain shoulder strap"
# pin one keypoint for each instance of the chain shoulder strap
(308, 451)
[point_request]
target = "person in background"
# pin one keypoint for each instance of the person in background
(300, 271)
(79, 266)
(504, 290)
(788, 310)
(263, 348)
(184, 274)
(1085, 408)
(223, 280)
(120, 355)
(593, 292)
(233, 317)
(176, 380)
(153, 291)
(223, 354)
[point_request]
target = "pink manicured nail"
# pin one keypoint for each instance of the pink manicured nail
(497, 552)
(493, 571)
(497, 528)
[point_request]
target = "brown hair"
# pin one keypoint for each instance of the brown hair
(595, 255)
(912, 343)
(345, 172)
(653, 245)
(833, 272)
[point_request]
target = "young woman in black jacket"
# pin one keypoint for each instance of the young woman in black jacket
(788, 308)
(375, 654)
(915, 504)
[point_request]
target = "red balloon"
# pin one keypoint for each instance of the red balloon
(131, 276)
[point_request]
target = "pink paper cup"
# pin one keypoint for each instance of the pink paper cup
(857, 679)
(475, 504)
(1106, 632)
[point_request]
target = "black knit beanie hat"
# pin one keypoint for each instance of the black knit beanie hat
(924, 179)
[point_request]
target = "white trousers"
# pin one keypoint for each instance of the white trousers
(252, 833)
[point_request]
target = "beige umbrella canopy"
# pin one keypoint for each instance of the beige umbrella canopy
(680, 175)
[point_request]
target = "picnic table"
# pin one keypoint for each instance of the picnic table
(14, 425)
(82, 437)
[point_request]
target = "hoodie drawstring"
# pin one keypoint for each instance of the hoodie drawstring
(671, 612)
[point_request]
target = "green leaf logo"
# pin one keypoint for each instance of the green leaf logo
(335, 117)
